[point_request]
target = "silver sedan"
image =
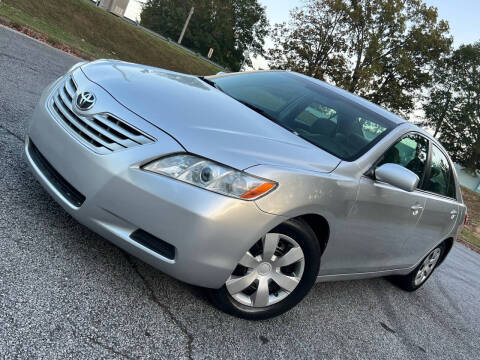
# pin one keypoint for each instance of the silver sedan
(252, 185)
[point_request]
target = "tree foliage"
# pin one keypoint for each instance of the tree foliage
(382, 50)
(453, 108)
(235, 29)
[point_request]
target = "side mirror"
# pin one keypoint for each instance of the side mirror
(398, 176)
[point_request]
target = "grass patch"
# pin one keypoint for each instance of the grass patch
(92, 31)
(470, 237)
(471, 231)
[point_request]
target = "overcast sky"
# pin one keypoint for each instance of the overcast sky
(462, 15)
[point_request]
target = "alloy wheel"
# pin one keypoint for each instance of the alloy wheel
(427, 266)
(268, 272)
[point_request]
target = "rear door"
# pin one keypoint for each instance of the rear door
(441, 208)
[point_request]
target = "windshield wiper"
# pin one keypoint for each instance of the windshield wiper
(210, 82)
(257, 109)
(251, 106)
(266, 114)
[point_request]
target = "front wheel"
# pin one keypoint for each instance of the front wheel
(422, 272)
(274, 274)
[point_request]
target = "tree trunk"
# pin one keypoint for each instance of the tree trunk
(441, 119)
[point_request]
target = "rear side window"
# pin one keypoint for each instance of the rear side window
(410, 152)
(440, 179)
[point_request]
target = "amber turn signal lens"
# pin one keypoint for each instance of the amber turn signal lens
(259, 190)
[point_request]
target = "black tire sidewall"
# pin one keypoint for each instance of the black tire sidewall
(407, 282)
(301, 232)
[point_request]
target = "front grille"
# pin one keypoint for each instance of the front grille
(104, 133)
(63, 186)
(153, 243)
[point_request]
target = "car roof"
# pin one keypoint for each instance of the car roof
(397, 120)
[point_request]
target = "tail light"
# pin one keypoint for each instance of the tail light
(465, 220)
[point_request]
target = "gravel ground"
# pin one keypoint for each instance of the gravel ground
(67, 293)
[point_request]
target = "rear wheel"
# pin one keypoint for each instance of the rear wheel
(273, 275)
(422, 272)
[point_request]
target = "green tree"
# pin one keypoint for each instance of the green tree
(453, 108)
(382, 50)
(441, 102)
(235, 29)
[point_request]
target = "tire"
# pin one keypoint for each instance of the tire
(415, 280)
(259, 301)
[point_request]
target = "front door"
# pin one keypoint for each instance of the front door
(384, 217)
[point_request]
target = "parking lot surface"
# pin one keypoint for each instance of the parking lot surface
(65, 292)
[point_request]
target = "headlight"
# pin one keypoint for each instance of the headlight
(211, 176)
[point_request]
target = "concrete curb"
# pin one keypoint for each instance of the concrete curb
(470, 246)
(40, 38)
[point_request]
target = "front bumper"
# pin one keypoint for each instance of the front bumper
(210, 232)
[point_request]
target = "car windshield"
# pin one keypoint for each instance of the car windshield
(317, 114)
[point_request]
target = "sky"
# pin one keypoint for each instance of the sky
(462, 15)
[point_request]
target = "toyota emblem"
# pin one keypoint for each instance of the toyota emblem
(85, 100)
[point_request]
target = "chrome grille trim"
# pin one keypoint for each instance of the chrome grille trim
(103, 133)
(70, 87)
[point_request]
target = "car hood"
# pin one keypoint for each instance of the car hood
(204, 120)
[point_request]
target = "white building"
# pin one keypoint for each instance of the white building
(134, 10)
(117, 7)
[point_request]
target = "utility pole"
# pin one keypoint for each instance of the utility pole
(186, 24)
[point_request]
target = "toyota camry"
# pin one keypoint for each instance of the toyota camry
(253, 185)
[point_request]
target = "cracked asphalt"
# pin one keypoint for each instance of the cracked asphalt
(65, 292)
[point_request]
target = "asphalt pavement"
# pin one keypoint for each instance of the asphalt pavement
(65, 292)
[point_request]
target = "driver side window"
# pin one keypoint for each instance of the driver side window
(410, 152)
(440, 179)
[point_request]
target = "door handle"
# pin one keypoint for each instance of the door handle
(416, 208)
(453, 213)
